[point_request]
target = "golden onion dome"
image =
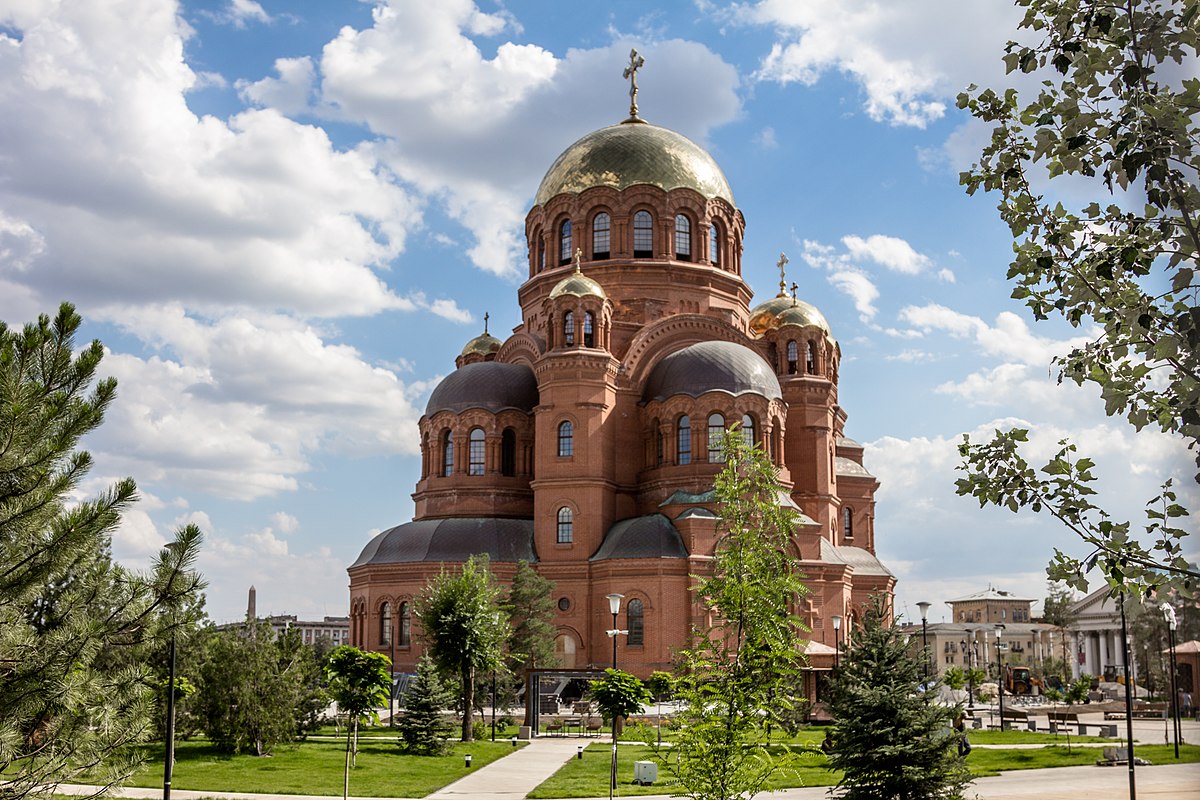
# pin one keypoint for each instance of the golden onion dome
(484, 345)
(630, 153)
(783, 310)
(579, 285)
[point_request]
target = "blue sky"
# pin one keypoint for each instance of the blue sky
(284, 220)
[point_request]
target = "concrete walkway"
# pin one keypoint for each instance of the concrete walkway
(514, 776)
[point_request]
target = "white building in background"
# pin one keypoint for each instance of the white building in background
(336, 628)
(1096, 633)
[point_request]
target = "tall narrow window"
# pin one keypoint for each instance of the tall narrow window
(601, 235)
(847, 522)
(810, 358)
(541, 254)
(447, 453)
(508, 453)
(564, 243)
(635, 622)
(748, 430)
(385, 624)
(657, 433)
(683, 238)
(683, 441)
(643, 235)
(405, 625)
(793, 357)
(566, 438)
(716, 427)
(589, 329)
(569, 329)
(475, 452)
(714, 244)
(566, 524)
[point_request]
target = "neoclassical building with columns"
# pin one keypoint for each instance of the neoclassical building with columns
(586, 441)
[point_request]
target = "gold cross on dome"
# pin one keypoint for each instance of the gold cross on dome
(783, 260)
(636, 62)
(485, 323)
(795, 286)
(578, 260)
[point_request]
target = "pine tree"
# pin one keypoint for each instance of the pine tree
(888, 740)
(77, 631)
(529, 606)
(424, 730)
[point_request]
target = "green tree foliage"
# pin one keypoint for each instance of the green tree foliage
(424, 729)
(1116, 112)
(529, 606)
(888, 740)
(743, 668)
(77, 631)
(955, 677)
(463, 628)
(359, 683)
(257, 689)
(619, 694)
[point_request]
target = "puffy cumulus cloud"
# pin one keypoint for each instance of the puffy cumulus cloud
(909, 70)
(133, 196)
(285, 522)
(239, 14)
(887, 251)
(1009, 338)
(290, 93)
(237, 406)
(418, 78)
(858, 287)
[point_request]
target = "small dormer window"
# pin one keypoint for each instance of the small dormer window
(569, 329)
(810, 358)
(793, 357)
(564, 242)
(643, 235)
(601, 236)
(683, 238)
(589, 329)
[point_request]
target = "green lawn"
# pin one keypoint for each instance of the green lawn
(315, 767)
(1027, 737)
(589, 777)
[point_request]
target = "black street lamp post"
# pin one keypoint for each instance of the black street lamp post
(1169, 614)
(1000, 670)
(925, 641)
(1125, 657)
(970, 678)
(837, 639)
(614, 605)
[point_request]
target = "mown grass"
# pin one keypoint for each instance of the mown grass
(315, 767)
(588, 777)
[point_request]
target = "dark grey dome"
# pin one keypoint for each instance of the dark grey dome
(712, 366)
(453, 539)
(652, 536)
(488, 385)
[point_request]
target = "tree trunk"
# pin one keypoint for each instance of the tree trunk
(468, 678)
(346, 772)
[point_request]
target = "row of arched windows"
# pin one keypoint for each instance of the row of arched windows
(476, 463)
(589, 329)
(793, 357)
(643, 239)
(404, 634)
(684, 451)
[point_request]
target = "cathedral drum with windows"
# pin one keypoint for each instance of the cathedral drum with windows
(586, 442)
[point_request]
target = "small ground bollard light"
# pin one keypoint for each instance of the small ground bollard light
(579, 752)
(468, 760)
(514, 741)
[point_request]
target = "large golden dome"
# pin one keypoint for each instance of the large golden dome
(630, 153)
(783, 310)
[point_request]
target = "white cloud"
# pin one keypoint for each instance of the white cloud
(290, 93)
(766, 139)
(239, 14)
(1010, 336)
(859, 287)
(946, 275)
(285, 522)
(888, 251)
(910, 59)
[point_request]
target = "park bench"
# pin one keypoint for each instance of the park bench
(1114, 756)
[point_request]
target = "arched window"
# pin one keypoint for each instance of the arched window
(589, 329)
(508, 453)
(564, 242)
(683, 441)
(601, 235)
(385, 624)
(716, 427)
(777, 441)
(643, 235)
(475, 452)
(847, 522)
(564, 650)
(683, 238)
(566, 438)
(635, 623)
(447, 453)
(541, 254)
(714, 244)
(405, 625)
(810, 358)
(569, 329)
(659, 443)
(748, 430)
(793, 357)
(566, 524)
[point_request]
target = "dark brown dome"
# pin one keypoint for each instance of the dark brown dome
(489, 385)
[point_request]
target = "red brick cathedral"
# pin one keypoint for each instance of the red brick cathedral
(586, 442)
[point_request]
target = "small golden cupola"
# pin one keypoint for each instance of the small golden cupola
(800, 338)
(482, 348)
(579, 311)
